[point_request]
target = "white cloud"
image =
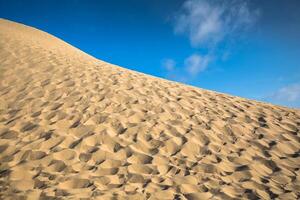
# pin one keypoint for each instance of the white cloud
(290, 93)
(208, 22)
(189, 69)
(196, 63)
(169, 64)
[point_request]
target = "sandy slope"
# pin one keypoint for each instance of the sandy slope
(72, 126)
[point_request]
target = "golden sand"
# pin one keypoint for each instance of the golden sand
(72, 127)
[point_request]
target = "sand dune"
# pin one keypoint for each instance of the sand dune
(72, 127)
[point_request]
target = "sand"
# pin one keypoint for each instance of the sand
(73, 126)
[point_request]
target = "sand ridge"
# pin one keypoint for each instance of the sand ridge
(72, 127)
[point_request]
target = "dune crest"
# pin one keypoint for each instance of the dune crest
(72, 126)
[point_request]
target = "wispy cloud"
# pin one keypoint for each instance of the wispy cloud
(288, 95)
(168, 64)
(190, 68)
(208, 22)
(196, 63)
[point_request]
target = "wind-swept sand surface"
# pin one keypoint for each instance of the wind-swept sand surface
(72, 126)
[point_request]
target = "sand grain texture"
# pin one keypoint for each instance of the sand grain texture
(72, 126)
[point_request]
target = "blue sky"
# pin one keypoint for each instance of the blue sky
(244, 48)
